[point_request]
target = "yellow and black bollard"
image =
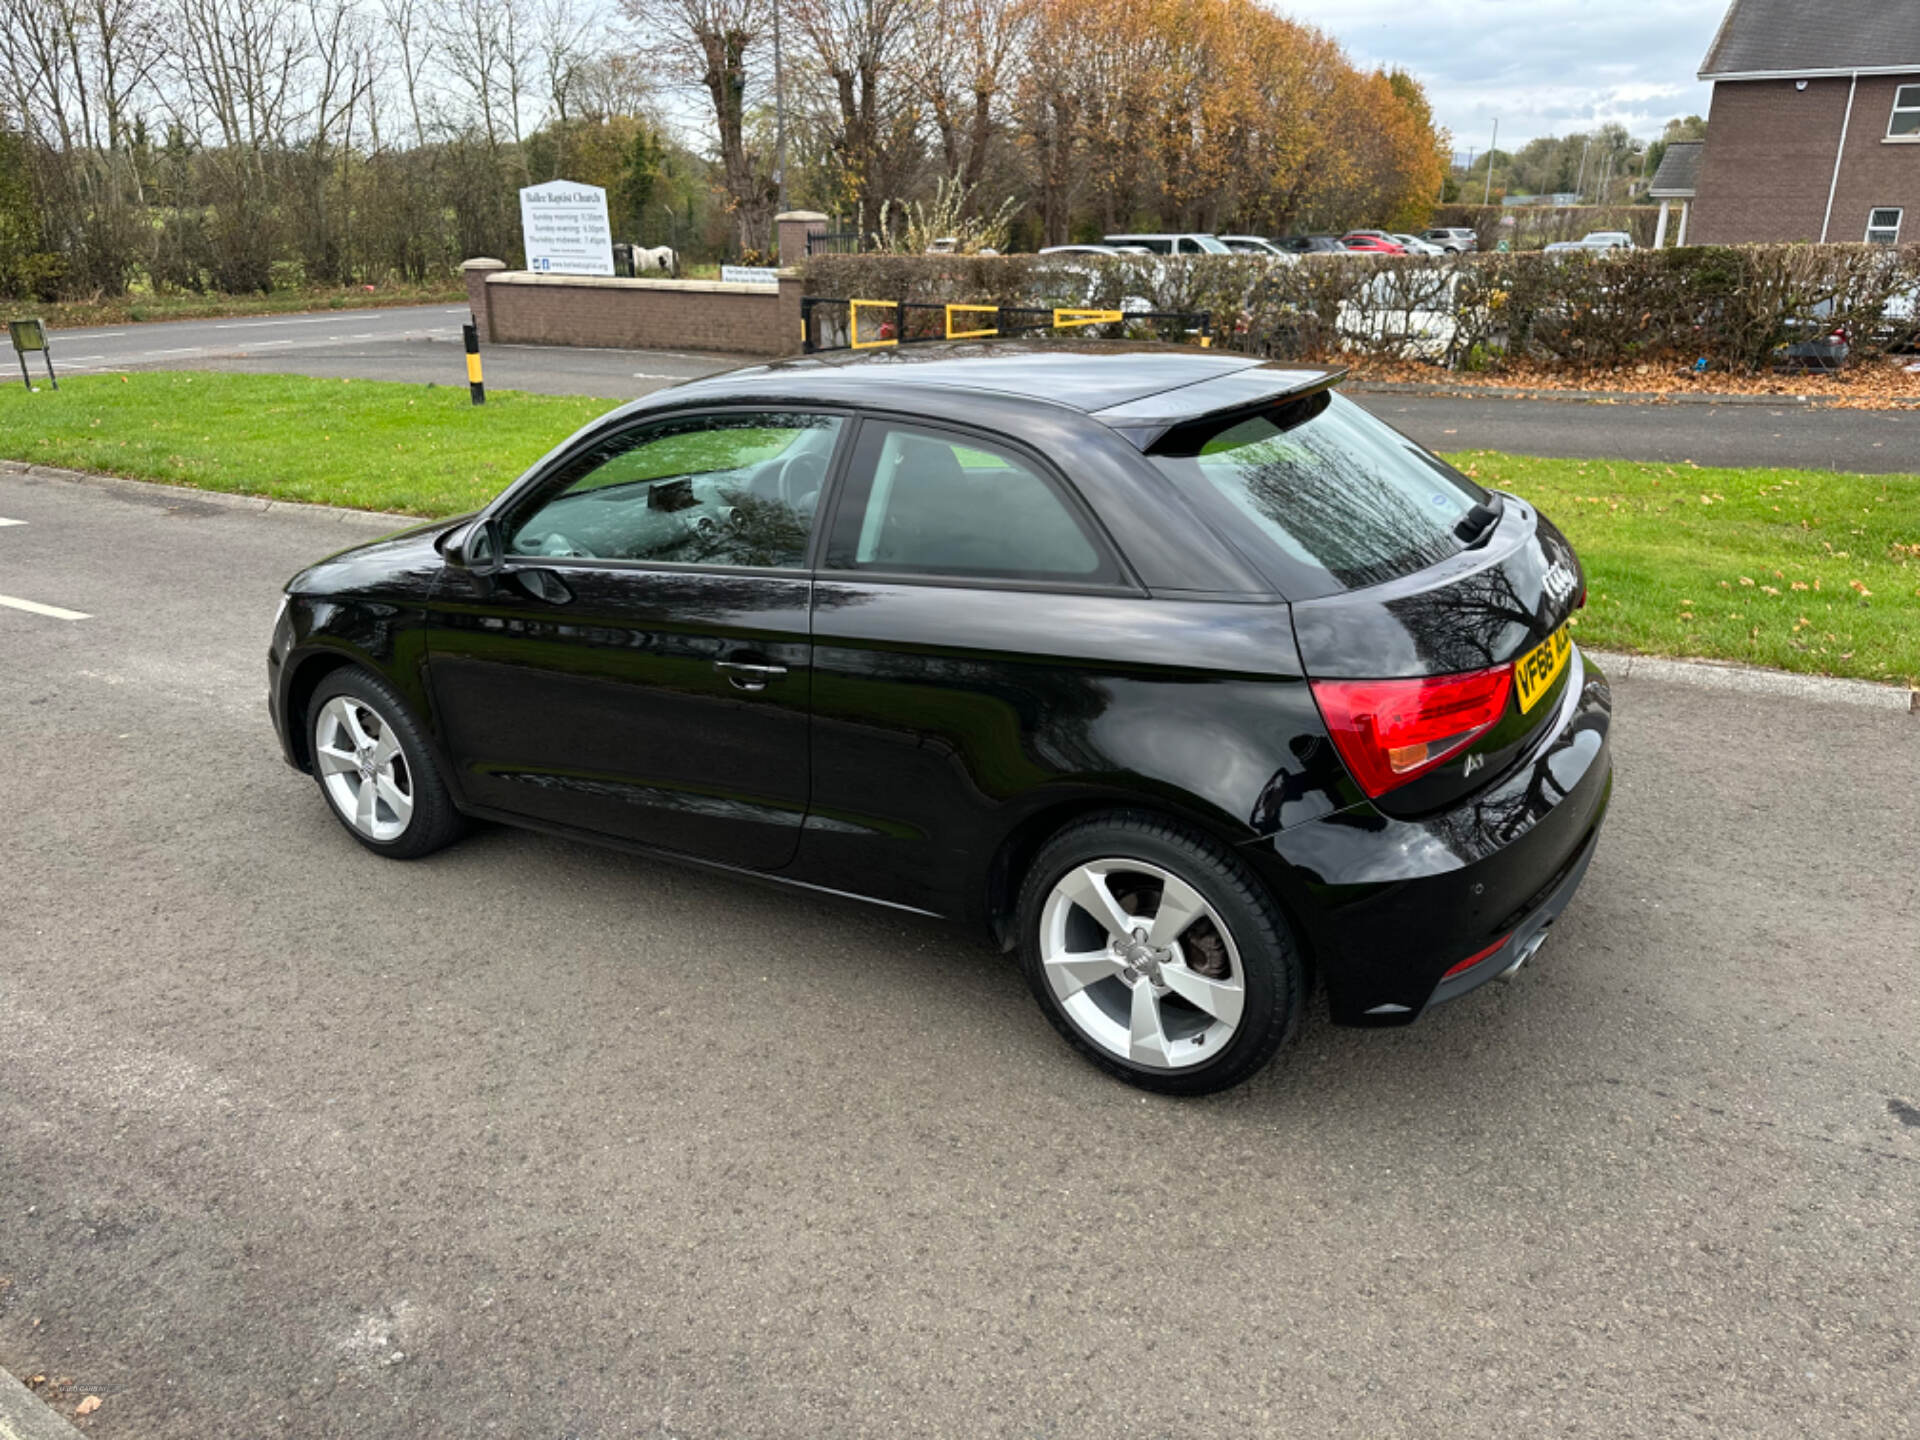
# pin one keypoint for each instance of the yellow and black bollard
(476, 386)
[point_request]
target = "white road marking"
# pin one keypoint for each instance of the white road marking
(89, 334)
(182, 350)
(5, 521)
(34, 607)
(76, 359)
(256, 324)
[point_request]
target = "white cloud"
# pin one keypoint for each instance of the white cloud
(1541, 67)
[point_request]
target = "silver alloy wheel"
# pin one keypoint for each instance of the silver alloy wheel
(363, 768)
(1141, 964)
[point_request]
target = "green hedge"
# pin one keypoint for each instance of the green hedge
(1733, 306)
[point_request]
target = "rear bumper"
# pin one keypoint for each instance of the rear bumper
(1389, 906)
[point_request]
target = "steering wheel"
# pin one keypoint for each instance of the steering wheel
(801, 476)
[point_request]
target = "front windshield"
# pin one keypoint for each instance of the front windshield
(1212, 246)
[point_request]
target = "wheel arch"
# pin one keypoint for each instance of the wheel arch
(1024, 840)
(302, 680)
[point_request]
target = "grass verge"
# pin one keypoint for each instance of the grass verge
(134, 308)
(371, 445)
(1802, 570)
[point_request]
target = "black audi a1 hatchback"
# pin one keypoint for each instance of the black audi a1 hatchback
(1186, 677)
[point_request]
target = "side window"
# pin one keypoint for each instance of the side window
(1906, 113)
(924, 503)
(737, 489)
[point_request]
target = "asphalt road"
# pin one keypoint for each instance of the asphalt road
(422, 344)
(534, 1139)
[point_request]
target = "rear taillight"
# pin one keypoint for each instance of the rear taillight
(1393, 731)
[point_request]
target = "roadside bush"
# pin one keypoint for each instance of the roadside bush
(1734, 306)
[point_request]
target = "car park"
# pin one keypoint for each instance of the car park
(1311, 245)
(1175, 670)
(1372, 242)
(1595, 240)
(1414, 245)
(1457, 239)
(1171, 244)
(1251, 245)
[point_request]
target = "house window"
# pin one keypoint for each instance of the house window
(1883, 227)
(1906, 113)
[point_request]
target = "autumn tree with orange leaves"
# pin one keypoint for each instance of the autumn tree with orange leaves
(1213, 115)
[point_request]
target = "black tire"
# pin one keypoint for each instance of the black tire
(1270, 961)
(435, 822)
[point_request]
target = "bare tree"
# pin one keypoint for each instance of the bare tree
(707, 43)
(859, 45)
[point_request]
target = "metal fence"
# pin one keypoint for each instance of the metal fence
(832, 324)
(834, 242)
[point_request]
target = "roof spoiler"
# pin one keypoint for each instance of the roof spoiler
(1146, 420)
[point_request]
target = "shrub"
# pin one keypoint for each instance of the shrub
(1736, 306)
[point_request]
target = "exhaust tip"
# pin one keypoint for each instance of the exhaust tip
(1526, 953)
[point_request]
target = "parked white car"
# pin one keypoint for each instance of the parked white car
(1594, 240)
(1171, 244)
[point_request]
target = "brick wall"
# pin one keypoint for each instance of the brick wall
(515, 307)
(1769, 159)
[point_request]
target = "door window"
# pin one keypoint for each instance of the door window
(737, 489)
(925, 503)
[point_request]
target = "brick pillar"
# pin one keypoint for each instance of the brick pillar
(792, 227)
(475, 273)
(787, 333)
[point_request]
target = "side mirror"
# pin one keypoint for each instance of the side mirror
(477, 549)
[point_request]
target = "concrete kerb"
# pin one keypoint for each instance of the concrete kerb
(176, 495)
(1706, 674)
(1751, 680)
(24, 1416)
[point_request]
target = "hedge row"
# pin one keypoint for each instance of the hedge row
(1735, 307)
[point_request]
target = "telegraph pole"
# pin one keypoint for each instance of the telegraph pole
(779, 114)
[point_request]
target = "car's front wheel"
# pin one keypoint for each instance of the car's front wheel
(374, 767)
(1157, 955)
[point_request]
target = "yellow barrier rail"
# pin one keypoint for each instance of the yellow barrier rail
(1067, 319)
(853, 324)
(953, 334)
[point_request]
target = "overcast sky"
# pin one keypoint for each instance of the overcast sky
(1543, 67)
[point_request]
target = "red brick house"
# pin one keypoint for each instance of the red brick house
(1815, 127)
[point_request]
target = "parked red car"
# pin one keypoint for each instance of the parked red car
(1373, 242)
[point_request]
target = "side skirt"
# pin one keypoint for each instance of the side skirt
(677, 857)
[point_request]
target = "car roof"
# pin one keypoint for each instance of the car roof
(1139, 389)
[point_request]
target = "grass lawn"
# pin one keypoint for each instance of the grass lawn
(144, 305)
(1803, 570)
(1798, 569)
(415, 449)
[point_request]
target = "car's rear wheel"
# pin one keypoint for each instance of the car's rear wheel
(1157, 955)
(374, 767)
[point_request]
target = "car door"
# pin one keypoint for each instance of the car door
(970, 626)
(639, 663)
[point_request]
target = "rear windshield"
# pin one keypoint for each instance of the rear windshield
(1320, 495)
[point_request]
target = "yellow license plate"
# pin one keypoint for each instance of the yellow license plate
(1535, 671)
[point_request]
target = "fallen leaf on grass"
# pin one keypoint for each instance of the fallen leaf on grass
(87, 1406)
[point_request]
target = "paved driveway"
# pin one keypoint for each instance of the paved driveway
(534, 1139)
